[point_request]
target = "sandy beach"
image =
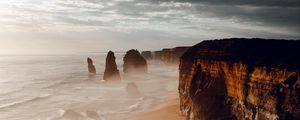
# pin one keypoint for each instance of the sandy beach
(166, 111)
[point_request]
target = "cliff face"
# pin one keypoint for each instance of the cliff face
(157, 55)
(170, 55)
(241, 79)
(147, 55)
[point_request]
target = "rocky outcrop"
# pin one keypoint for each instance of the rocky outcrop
(166, 55)
(71, 115)
(134, 63)
(243, 79)
(170, 55)
(91, 67)
(132, 90)
(111, 71)
(93, 115)
(147, 55)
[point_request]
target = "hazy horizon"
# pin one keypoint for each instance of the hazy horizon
(87, 26)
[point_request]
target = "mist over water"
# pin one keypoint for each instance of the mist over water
(59, 87)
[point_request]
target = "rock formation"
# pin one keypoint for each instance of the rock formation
(147, 55)
(132, 89)
(170, 55)
(134, 63)
(157, 55)
(111, 71)
(91, 67)
(72, 115)
(243, 79)
(177, 52)
(93, 115)
(166, 55)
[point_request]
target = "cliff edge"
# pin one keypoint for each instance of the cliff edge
(241, 79)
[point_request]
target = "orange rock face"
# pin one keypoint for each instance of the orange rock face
(244, 79)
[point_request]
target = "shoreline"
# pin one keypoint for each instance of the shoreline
(169, 110)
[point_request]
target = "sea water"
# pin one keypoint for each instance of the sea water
(58, 87)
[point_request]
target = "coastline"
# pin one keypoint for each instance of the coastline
(169, 110)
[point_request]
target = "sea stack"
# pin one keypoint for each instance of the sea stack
(91, 67)
(111, 71)
(134, 62)
(241, 79)
(132, 89)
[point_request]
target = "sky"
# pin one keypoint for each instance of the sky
(82, 26)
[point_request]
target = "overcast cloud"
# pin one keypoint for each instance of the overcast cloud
(64, 26)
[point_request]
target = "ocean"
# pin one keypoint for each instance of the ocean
(58, 87)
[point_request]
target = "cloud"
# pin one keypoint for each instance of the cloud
(266, 16)
(133, 13)
(280, 3)
(171, 20)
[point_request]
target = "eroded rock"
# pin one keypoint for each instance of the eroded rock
(134, 63)
(244, 79)
(72, 115)
(132, 89)
(170, 55)
(147, 55)
(111, 70)
(91, 67)
(93, 115)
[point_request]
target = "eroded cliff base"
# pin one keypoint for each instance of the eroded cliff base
(243, 79)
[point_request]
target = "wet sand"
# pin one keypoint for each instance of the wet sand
(167, 111)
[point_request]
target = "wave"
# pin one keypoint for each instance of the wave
(74, 81)
(10, 92)
(16, 103)
(70, 114)
(128, 109)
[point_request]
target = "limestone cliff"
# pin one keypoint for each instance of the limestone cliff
(170, 55)
(157, 55)
(243, 79)
(147, 55)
